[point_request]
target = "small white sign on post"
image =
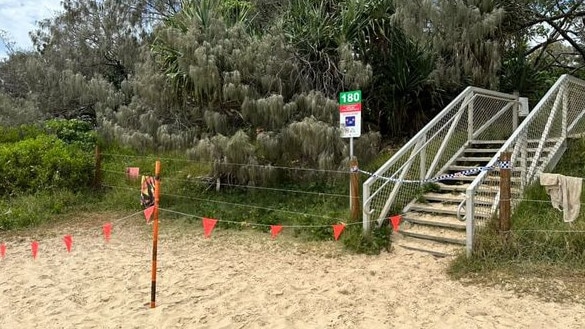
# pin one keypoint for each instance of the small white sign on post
(350, 120)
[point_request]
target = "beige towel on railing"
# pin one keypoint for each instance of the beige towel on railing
(565, 193)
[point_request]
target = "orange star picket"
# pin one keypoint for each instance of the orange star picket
(155, 233)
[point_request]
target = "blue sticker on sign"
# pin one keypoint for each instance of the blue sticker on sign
(350, 121)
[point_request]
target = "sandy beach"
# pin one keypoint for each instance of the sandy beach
(242, 279)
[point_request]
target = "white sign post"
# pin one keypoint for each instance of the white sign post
(350, 123)
(350, 116)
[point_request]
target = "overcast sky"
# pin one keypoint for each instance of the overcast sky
(18, 17)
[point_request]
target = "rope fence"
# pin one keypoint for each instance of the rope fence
(229, 163)
(246, 186)
(501, 164)
(455, 175)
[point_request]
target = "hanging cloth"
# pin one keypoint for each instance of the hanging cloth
(147, 191)
(565, 193)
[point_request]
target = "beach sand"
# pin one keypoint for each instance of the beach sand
(242, 279)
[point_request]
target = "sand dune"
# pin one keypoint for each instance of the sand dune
(244, 280)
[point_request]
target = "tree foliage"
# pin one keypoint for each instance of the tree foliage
(255, 82)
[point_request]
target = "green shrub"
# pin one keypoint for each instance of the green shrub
(43, 163)
(76, 132)
(15, 134)
(34, 209)
(372, 244)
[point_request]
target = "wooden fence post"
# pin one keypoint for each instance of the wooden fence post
(354, 190)
(505, 194)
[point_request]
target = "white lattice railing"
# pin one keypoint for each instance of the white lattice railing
(476, 114)
(536, 145)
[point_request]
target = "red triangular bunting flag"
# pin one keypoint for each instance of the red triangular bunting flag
(34, 246)
(107, 228)
(396, 222)
(275, 229)
(68, 240)
(208, 225)
(148, 213)
(2, 250)
(132, 172)
(337, 229)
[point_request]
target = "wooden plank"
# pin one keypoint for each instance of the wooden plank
(455, 198)
(482, 150)
(433, 237)
(454, 188)
(483, 142)
(444, 197)
(435, 221)
(482, 159)
(428, 251)
(490, 178)
(544, 150)
(457, 168)
(450, 210)
(428, 246)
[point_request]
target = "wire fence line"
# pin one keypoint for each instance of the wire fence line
(539, 201)
(349, 171)
(442, 177)
(547, 231)
(338, 220)
(245, 186)
(230, 163)
(233, 204)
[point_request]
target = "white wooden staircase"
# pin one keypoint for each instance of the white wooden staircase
(442, 217)
(433, 223)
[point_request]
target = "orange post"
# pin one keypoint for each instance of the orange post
(155, 233)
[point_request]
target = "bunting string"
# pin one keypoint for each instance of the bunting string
(259, 224)
(68, 238)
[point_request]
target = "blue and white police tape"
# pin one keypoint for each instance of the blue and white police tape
(467, 172)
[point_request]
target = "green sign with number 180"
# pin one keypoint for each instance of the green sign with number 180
(350, 97)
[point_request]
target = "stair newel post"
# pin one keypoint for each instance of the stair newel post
(354, 188)
(505, 194)
(516, 110)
